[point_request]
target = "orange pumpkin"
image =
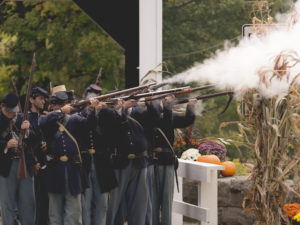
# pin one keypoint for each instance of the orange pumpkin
(209, 159)
(229, 169)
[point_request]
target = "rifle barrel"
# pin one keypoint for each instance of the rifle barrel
(157, 86)
(17, 94)
(185, 91)
(22, 170)
(150, 94)
(200, 97)
(110, 95)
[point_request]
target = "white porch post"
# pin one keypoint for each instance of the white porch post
(150, 26)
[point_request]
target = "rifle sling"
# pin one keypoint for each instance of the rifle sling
(167, 140)
(71, 136)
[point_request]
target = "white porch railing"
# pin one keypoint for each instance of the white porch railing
(207, 209)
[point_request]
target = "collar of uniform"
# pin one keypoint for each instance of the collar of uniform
(129, 111)
(5, 119)
(34, 114)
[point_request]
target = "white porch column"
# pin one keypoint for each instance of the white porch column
(150, 25)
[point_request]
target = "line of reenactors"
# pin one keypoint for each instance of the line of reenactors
(102, 165)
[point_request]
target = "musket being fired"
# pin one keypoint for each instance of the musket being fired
(203, 97)
(84, 103)
(185, 90)
(151, 94)
(157, 86)
(200, 97)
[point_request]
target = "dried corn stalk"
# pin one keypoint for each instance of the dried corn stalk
(269, 127)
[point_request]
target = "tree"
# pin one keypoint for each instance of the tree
(70, 48)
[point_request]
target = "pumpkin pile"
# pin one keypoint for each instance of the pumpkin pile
(229, 167)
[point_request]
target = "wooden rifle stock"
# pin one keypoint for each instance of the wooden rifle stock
(84, 103)
(22, 170)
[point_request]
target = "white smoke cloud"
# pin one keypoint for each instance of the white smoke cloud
(237, 67)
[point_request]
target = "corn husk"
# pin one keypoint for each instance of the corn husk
(270, 128)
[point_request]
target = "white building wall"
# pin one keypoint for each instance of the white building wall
(150, 40)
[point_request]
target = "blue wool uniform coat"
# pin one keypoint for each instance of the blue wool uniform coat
(59, 145)
(92, 137)
(126, 136)
(5, 159)
(37, 138)
(168, 122)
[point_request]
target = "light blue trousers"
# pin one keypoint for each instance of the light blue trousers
(94, 203)
(17, 193)
(163, 195)
(150, 185)
(65, 209)
(132, 188)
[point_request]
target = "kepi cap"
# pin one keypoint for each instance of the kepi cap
(38, 91)
(10, 102)
(59, 98)
(93, 88)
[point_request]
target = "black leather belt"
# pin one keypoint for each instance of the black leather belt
(91, 151)
(137, 155)
(62, 158)
(159, 149)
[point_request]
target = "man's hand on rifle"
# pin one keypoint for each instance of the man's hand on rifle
(118, 105)
(67, 109)
(25, 126)
(129, 103)
(12, 143)
(192, 102)
(96, 104)
(44, 146)
(36, 168)
(169, 98)
(169, 101)
(101, 105)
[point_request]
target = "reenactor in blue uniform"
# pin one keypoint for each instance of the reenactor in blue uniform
(71, 97)
(124, 129)
(64, 169)
(15, 192)
(96, 161)
(165, 160)
(37, 100)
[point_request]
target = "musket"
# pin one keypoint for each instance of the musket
(22, 170)
(51, 86)
(17, 94)
(185, 91)
(203, 97)
(99, 76)
(157, 86)
(151, 94)
(200, 97)
(84, 103)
